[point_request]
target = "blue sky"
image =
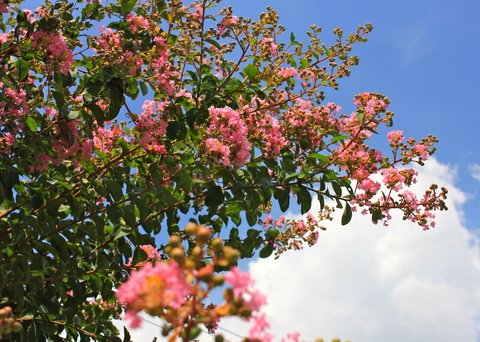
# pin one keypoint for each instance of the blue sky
(422, 54)
(370, 283)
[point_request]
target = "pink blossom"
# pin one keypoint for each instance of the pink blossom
(57, 46)
(393, 178)
(137, 21)
(240, 280)
(422, 151)
(228, 130)
(287, 72)
(198, 14)
(226, 23)
(160, 286)
(259, 329)
(270, 44)
(395, 137)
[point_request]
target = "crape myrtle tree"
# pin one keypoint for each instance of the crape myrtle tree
(128, 121)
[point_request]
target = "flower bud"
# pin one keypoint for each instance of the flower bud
(245, 312)
(205, 274)
(174, 241)
(217, 243)
(228, 295)
(231, 254)
(177, 254)
(17, 327)
(218, 280)
(203, 235)
(165, 330)
(191, 229)
(167, 249)
(5, 312)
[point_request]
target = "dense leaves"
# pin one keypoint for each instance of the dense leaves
(110, 141)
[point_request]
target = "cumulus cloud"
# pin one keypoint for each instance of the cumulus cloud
(372, 283)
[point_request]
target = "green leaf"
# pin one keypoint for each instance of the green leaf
(73, 114)
(23, 68)
(283, 198)
(156, 173)
(266, 183)
(267, 250)
(120, 232)
(304, 198)
(214, 196)
(31, 123)
(347, 214)
(251, 71)
(116, 99)
(2, 193)
(304, 63)
(128, 5)
(114, 213)
(115, 189)
(340, 137)
(185, 181)
(143, 88)
(320, 157)
(97, 112)
(214, 43)
(337, 189)
(167, 197)
(377, 215)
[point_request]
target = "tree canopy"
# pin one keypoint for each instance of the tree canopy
(143, 145)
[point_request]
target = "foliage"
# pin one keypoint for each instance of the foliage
(233, 122)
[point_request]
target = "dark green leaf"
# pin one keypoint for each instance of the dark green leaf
(267, 250)
(115, 190)
(347, 214)
(214, 196)
(377, 215)
(114, 213)
(283, 197)
(23, 68)
(337, 189)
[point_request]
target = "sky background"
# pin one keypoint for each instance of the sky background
(371, 283)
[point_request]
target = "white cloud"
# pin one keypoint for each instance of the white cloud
(474, 171)
(372, 283)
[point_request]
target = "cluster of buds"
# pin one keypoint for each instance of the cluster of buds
(175, 289)
(8, 323)
(293, 234)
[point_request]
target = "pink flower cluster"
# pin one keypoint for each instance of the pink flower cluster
(152, 127)
(241, 285)
(226, 23)
(228, 137)
(287, 72)
(109, 41)
(264, 127)
(153, 288)
(268, 44)
(137, 22)
(54, 45)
